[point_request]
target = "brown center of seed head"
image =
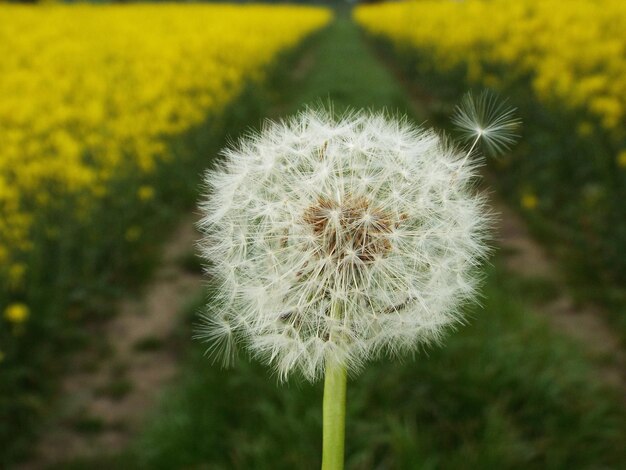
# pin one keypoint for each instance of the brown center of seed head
(350, 228)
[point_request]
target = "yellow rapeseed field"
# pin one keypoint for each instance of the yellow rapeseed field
(574, 50)
(88, 93)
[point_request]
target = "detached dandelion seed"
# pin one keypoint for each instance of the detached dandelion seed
(335, 239)
(488, 120)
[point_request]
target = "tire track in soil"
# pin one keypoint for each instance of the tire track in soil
(88, 393)
(583, 322)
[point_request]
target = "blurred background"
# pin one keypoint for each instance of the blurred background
(109, 115)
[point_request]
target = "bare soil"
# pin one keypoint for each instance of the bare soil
(105, 399)
(584, 322)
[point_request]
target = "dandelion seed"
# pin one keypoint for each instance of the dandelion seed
(488, 120)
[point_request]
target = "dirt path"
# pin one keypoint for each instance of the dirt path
(104, 399)
(584, 322)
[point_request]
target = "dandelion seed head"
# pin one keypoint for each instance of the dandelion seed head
(339, 238)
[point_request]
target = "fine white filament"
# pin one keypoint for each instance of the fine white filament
(338, 238)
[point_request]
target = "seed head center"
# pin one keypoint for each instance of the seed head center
(350, 229)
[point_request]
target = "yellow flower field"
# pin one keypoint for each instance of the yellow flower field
(573, 49)
(89, 93)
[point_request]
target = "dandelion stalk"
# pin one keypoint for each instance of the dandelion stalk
(334, 415)
(334, 407)
(469, 152)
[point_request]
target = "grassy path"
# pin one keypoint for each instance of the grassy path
(345, 73)
(505, 392)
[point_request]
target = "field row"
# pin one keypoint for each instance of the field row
(107, 116)
(89, 93)
(565, 68)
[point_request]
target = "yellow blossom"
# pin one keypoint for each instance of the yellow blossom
(133, 233)
(16, 313)
(145, 193)
(17, 272)
(529, 201)
(621, 159)
(585, 129)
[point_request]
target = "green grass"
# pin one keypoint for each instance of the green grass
(505, 391)
(346, 74)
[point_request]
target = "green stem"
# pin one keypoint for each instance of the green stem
(334, 416)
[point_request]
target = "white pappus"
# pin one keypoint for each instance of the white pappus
(338, 238)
